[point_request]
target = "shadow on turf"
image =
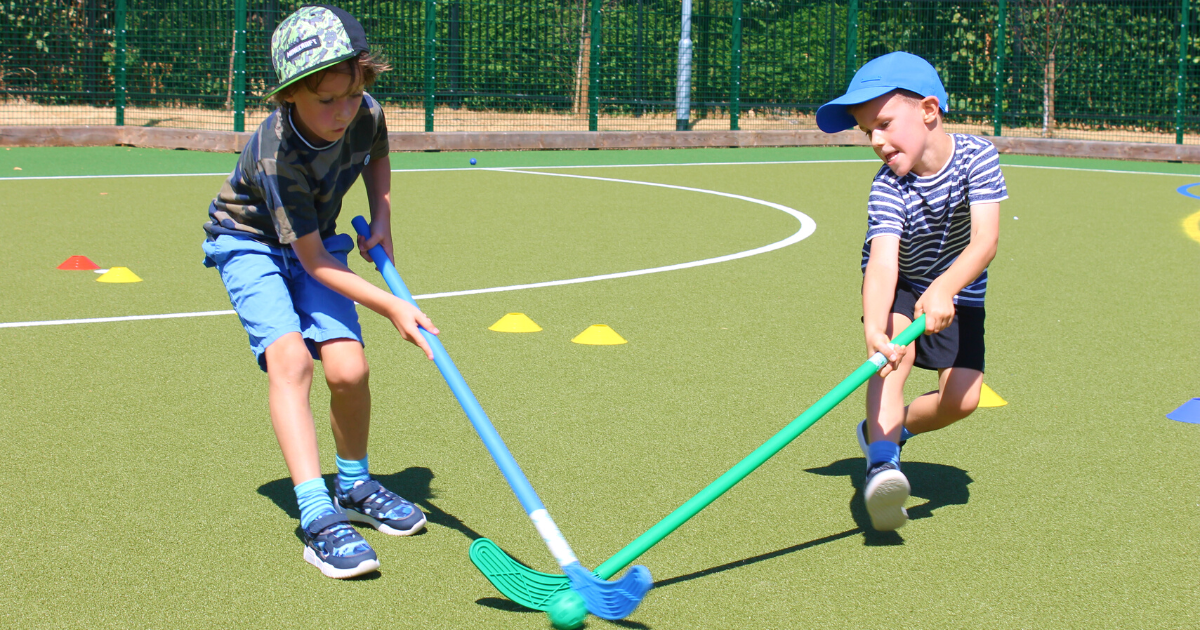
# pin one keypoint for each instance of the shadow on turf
(499, 603)
(938, 484)
(414, 484)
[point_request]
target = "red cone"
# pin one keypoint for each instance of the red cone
(78, 262)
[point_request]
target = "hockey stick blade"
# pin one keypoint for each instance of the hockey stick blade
(534, 589)
(610, 600)
(519, 583)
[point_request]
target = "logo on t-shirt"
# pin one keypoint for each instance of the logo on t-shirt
(295, 51)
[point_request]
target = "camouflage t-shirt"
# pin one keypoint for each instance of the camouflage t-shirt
(284, 188)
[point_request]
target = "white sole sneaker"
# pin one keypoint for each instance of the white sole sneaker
(885, 495)
(861, 432)
(366, 566)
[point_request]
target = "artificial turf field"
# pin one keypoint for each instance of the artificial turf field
(145, 488)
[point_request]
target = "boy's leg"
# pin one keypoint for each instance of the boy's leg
(885, 396)
(348, 378)
(363, 499)
(331, 544)
(956, 397)
(289, 376)
(886, 488)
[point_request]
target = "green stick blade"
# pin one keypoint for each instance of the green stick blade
(527, 587)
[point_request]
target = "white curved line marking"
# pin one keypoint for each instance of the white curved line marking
(807, 227)
(126, 318)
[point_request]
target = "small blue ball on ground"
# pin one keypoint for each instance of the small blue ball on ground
(472, 161)
(567, 611)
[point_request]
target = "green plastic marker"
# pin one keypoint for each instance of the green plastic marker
(533, 589)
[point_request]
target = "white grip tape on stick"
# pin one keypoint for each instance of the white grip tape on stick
(554, 538)
(878, 360)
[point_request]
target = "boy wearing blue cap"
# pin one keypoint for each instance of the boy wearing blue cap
(933, 222)
(272, 236)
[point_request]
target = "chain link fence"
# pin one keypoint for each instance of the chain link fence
(1099, 70)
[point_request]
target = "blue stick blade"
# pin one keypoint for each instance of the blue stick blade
(610, 600)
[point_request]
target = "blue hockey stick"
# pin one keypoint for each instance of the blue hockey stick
(607, 600)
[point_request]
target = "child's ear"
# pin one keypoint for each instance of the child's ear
(929, 108)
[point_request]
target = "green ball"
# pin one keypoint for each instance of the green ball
(567, 611)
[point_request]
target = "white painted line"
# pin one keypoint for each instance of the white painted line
(509, 168)
(807, 227)
(5, 179)
(102, 320)
(1096, 170)
(457, 168)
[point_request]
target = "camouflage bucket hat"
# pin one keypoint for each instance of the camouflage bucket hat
(312, 39)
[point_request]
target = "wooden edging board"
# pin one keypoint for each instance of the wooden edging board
(229, 141)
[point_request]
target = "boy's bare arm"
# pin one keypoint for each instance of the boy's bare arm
(879, 290)
(938, 301)
(377, 178)
(329, 271)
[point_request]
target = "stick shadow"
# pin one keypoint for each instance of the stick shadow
(938, 484)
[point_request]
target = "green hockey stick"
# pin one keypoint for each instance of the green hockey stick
(534, 589)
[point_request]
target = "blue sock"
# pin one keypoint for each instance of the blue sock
(314, 501)
(884, 451)
(905, 435)
(351, 471)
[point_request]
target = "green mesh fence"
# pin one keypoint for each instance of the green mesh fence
(1100, 70)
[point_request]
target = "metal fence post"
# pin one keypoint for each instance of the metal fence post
(594, 70)
(735, 67)
(430, 60)
(683, 74)
(456, 60)
(239, 66)
(998, 92)
(1180, 84)
(851, 40)
(120, 63)
(639, 73)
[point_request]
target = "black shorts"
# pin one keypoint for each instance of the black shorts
(959, 345)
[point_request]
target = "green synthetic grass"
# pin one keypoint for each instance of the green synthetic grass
(146, 490)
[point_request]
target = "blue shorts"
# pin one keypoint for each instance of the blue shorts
(273, 294)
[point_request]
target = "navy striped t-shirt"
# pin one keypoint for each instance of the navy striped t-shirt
(932, 215)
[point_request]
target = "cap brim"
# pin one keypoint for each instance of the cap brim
(330, 63)
(833, 116)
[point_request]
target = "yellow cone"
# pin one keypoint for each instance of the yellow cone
(599, 335)
(989, 398)
(516, 323)
(119, 274)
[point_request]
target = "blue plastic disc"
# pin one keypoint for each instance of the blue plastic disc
(1187, 412)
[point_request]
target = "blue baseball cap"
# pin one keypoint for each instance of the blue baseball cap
(893, 71)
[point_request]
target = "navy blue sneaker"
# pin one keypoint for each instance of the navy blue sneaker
(370, 503)
(864, 443)
(334, 547)
(885, 491)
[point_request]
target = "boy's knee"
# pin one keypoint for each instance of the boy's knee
(347, 375)
(289, 357)
(962, 406)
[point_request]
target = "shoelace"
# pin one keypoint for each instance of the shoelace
(341, 532)
(390, 504)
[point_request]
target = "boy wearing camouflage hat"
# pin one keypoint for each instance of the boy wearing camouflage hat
(272, 236)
